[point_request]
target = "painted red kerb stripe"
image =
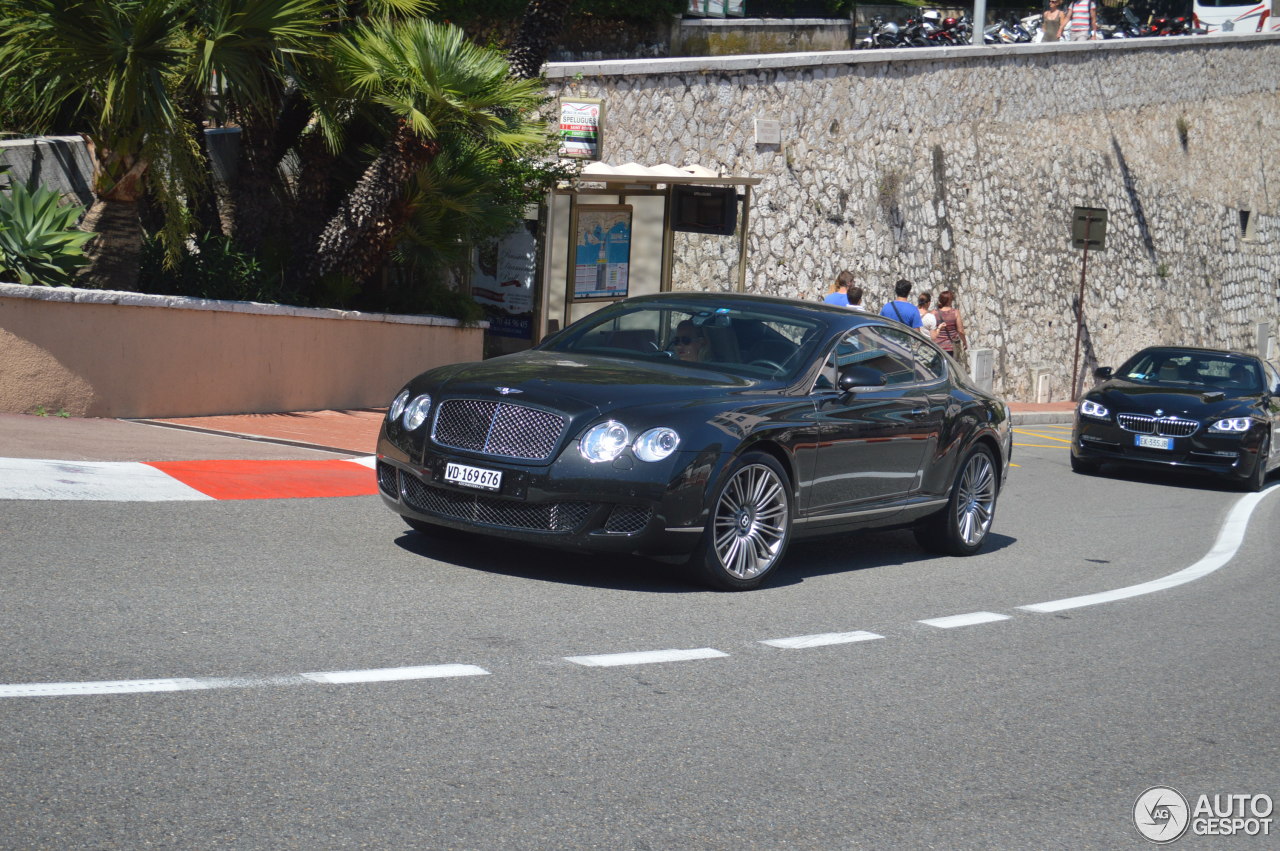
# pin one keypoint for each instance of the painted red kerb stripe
(272, 479)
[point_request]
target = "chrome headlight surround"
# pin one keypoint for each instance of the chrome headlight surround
(604, 441)
(1231, 425)
(415, 413)
(1091, 409)
(397, 406)
(656, 444)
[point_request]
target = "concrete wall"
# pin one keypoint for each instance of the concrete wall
(96, 353)
(959, 168)
(60, 163)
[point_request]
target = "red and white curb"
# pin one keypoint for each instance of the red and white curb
(167, 481)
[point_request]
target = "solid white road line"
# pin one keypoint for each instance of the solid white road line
(370, 461)
(105, 687)
(953, 621)
(645, 657)
(1224, 549)
(383, 675)
(122, 481)
(802, 642)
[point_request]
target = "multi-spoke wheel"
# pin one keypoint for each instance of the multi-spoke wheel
(962, 526)
(749, 527)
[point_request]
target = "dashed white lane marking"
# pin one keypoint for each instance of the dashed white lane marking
(645, 657)
(383, 675)
(121, 481)
(953, 621)
(803, 642)
(105, 687)
(1224, 549)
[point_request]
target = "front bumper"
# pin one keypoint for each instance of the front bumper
(1230, 455)
(649, 509)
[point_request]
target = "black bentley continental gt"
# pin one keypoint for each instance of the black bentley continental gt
(713, 426)
(1201, 409)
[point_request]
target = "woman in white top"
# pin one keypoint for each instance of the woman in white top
(928, 321)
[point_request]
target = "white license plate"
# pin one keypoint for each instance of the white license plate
(1146, 441)
(473, 477)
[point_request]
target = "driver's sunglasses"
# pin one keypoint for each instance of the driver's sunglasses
(686, 341)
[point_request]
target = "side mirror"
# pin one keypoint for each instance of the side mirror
(1102, 373)
(860, 376)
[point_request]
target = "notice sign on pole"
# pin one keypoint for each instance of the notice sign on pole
(580, 123)
(1089, 226)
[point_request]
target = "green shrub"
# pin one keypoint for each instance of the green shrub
(209, 268)
(39, 243)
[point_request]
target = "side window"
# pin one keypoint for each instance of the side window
(881, 348)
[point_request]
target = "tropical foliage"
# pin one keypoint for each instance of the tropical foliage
(342, 107)
(39, 241)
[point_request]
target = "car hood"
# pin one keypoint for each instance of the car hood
(1122, 396)
(577, 383)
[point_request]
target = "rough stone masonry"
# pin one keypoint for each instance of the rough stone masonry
(960, 167)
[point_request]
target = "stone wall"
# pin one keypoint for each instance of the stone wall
(960, 167)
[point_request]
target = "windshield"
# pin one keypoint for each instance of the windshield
(752, 341)
(1193, 369)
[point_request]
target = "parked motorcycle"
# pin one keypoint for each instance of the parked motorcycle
(882, 34)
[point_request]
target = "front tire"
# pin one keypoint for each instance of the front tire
(749, 528)
(1084, 465)
(1258, 478)
(961, 528)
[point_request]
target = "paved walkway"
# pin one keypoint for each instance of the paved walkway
(246, 456)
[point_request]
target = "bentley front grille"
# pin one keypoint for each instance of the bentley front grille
(498, 428)
(492, 511)
(1166, 426)
(388, 480)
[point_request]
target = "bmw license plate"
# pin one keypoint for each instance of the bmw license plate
(473, 477)
(1147, 441)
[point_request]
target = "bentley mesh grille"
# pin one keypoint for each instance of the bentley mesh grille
(497, 428)
(627, 519)
(387, 479)
(1166, 426)
(491, 511)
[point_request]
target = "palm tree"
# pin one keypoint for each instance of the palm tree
(430, 82)
(542, 22)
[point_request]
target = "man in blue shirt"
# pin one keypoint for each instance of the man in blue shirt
(901, 307)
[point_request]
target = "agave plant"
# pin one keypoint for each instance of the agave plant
(39, 243)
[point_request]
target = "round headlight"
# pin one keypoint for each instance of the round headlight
(1235, 425)
(1089, 408)
(415, 413)
(397, 406)
(604, 442)
(656, 444)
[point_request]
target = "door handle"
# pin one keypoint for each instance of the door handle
(917, 413)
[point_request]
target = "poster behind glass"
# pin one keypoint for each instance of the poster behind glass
(502, 281)
(602, 252)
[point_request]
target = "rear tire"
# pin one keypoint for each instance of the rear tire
(749, 527)
(961, 528)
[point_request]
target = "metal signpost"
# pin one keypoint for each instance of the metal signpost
(1088, 230)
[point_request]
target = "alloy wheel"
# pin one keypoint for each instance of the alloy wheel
(751, 522)
(976, 499)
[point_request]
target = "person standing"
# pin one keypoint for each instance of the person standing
(901, 307)
(928, 321)
(840, 294)
(1054, 22)
(855, 299)
(950, 334)
(1083, 21)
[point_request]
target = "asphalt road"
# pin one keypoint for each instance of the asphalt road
(1024, 729)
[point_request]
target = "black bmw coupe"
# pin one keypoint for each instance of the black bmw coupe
(1202, 409)
(713, 426)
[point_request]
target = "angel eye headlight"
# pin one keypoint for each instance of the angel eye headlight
(1089, 408)
(1235, 425)
(656, 444)
(415, 413)
(604, 442)
(397, 406)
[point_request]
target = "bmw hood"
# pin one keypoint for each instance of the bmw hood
(1194, 402)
